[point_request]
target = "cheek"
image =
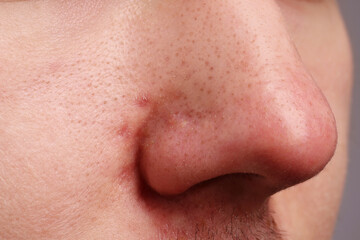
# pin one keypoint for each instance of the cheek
(66, 128)
(321, 40)
(326, 52)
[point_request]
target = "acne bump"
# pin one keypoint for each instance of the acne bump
(142, 100)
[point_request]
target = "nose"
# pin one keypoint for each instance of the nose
(239, 101)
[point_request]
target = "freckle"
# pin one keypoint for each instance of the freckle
(210, 77)
(105, 102)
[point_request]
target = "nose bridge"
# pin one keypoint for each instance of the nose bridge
(226, 44)
(234, 59)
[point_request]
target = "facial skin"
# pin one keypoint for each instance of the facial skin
(172, 119)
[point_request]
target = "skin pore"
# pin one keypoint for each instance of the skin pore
(172, 119)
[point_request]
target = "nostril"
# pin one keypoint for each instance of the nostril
(236, 185)
(176, 159)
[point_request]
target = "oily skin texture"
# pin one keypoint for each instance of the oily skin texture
(87, 87)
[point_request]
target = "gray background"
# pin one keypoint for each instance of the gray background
(348, 226)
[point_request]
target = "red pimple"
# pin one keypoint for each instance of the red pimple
(142, 101)
(124, 131)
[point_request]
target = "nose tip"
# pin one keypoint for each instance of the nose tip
(285, 141)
